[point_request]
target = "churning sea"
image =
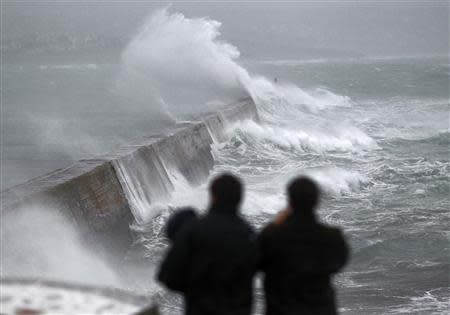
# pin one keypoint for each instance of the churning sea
(374, 133)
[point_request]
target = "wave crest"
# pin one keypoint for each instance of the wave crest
(181, 65)
(342, 140)
(181, 61)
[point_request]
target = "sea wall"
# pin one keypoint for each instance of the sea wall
(103, 196)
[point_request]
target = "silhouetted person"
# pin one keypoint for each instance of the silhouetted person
(179, 219)
(212, 260)
(299, 255)
(176, 222)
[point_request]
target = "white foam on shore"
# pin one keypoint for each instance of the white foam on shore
(49, 300)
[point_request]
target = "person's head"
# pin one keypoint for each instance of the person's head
(179, 219)
(226, 190)
(303, 195)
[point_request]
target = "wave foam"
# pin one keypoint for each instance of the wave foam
(333, 181)
(181, 66)
(337, 181)
(273, 97)
(343, 140)
(173, 53)
(38, 242)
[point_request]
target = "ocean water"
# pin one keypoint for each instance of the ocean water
(376, 138)
(374, 133)
(381, 155)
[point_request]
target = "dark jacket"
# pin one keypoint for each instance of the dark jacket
(212, 262)
(298, 258)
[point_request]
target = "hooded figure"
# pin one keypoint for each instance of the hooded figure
(212, 260)
(178, 220)
(299, 255)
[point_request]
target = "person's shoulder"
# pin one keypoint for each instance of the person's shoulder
(270, 230)
(241, 226)
(212, 223)
(245, 223)
(331, 230)
(188, 229)
(198, 224)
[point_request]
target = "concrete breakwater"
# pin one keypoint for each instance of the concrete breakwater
(104, 195)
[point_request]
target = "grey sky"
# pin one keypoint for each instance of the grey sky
(259, 29)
